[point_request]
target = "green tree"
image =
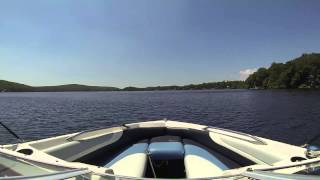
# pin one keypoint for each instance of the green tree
(302, 72)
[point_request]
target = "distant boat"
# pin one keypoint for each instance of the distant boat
(158, 149)
(255, 88)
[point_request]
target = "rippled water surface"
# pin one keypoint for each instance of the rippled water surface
(288, 116)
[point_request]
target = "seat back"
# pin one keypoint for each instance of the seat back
(131, 162)
(199, 162)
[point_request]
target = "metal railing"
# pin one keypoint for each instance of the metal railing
(53, 176)
(257, 140)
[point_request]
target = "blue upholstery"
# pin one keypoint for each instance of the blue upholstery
(166, 150)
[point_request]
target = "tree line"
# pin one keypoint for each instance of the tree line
(211, 85)
(302, 72)
(6, 86)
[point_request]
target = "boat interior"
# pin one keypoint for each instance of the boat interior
(165, 153)
(163, 149)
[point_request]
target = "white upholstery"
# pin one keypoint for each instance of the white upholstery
(132, 162)
(200, 163)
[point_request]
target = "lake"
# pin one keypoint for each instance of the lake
(288, 116)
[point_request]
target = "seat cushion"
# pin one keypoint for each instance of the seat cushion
(131, 162)
(166, 148)
(201, 163)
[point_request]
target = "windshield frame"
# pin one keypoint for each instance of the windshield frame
(76, 168)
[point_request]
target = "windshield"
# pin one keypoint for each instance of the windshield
(13, 167)
(311, 169)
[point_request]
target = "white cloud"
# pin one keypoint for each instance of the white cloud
(245, 73)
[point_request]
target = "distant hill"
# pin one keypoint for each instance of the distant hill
(302, 72)
(13, 87)
(73, 87)
(211, 85)
(7, 86)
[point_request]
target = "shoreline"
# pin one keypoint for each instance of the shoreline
(168, 90)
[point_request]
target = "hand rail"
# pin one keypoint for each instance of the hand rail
(73, 137)
(276, 176)
(52, 176)
(12, 132)
(257, 140)
(298, 164)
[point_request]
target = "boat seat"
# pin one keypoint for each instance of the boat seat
(166, 148)
(131, 162)
(201, 162)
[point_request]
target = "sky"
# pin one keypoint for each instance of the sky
(151, 42)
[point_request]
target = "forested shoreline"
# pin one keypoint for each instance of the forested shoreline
(6, 86)
(300, 73)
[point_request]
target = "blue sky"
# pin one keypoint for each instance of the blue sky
(150, 42)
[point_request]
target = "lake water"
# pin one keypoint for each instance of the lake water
(287, 116)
